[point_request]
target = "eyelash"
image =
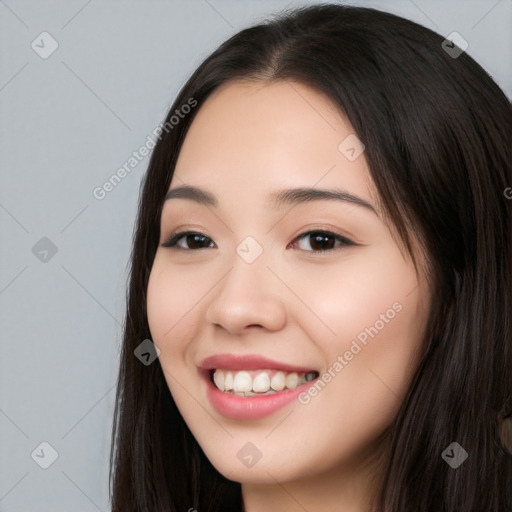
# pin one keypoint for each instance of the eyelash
(344, 242)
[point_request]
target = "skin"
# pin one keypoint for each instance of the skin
(296, 303)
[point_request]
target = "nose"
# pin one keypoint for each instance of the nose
(249, 295)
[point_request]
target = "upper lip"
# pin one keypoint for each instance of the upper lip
(249, 362)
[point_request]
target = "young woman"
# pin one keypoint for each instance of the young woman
(322, 260)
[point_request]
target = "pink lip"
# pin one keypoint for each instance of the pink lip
(254, 407)
(248, 362)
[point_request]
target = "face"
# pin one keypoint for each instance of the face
(311, 292)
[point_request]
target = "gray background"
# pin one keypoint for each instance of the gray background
(67, 123)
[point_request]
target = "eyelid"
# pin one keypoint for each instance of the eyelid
(345, 241)
(173, 239)
(171, 242)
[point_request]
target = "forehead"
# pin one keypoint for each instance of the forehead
(259, 136)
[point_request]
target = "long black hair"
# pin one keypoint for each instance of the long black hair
(437, 131)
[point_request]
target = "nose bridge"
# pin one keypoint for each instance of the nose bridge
(249, 266)
(246, 295)
(248, 278)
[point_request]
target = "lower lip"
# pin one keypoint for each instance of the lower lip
(251, 407)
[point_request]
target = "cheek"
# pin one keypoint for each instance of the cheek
(344, 298)
(170, 301)
(162, 305)
(372, 313)
(171, 298)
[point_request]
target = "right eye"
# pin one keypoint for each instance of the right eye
(193, 239)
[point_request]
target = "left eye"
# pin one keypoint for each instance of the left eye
(322, 241)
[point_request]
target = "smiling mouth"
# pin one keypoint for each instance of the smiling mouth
(258, 382)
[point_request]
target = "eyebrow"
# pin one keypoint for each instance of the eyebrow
(279, 199)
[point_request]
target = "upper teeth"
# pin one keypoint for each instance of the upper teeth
(261, 381)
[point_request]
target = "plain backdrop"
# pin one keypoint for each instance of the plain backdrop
(68, 121)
